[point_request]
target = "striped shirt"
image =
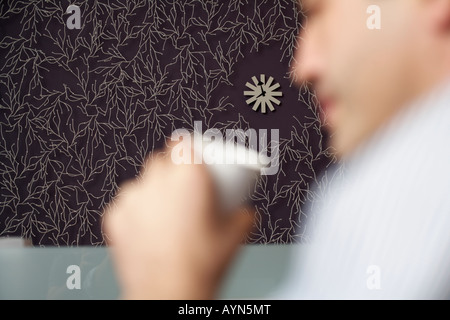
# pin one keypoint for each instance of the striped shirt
(384, 229)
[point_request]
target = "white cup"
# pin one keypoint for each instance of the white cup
(234, 168)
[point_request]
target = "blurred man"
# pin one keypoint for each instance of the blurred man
(383, 232)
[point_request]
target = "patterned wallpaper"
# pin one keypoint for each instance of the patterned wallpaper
(80, 109)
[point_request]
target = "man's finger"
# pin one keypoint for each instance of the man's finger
(236, 229)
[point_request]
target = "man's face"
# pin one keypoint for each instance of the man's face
(361, 76)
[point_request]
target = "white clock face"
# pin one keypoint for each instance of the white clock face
(263, 93)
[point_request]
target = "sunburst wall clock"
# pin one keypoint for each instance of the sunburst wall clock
(263, 93)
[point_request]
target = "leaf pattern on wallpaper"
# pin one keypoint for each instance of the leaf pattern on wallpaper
(80, 110)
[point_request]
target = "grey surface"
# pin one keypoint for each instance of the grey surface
(258, 270)
(40, 273)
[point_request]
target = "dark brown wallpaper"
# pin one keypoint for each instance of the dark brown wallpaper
(80, 109)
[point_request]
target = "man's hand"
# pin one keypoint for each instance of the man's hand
(168, 238)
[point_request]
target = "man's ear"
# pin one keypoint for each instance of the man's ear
(438, 15)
